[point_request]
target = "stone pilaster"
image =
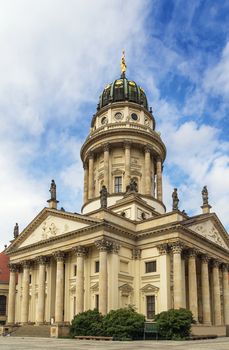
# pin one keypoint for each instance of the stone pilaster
(165, 297)
(91, 177)
(80, 252)
(25, 292)
(104, 246)
(159, 179)
(216, 294)
(127, 146)
(192, 282)
(85, 192)
(205, 289)
(59, 305)
(12, 294)
(148, 166)
(177, 248)
(40, 312)
(106, 165)
(226, 293)
(113, 267)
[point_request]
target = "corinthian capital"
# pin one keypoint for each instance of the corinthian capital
(80, 251)
(163, 248)
(106, 147)
(103, 245)
(177, 247)
(59, 255)
(12, 267)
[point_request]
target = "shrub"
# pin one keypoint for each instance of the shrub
(123, 324)
(174, 324)
(87, 323)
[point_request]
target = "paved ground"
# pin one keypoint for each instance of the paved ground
(13, 343)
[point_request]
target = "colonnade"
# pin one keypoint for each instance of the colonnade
(104, 246)
(152, 179)
(211, 307)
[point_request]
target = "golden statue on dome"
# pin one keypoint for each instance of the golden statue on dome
(123, 63)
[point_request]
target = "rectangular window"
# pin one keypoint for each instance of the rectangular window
(45, 276)
(150, 306)
(97, 301)
(97, 266)
(30, 279)
(151, 266)
(75, 270)
(118, 184)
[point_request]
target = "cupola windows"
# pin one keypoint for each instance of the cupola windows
(118, 184)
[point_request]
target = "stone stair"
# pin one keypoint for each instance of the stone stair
(32, 331)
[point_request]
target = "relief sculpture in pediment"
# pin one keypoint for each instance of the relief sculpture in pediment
(49, 230)
(209, 231)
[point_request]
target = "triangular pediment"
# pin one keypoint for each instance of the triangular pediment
(212, 231)
(49, 224)
(149, 288)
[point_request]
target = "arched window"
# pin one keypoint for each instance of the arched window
(2, 305)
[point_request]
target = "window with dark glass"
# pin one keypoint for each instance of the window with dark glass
(75, 270)
(150, 306)
(30, 279)
(134, 116)
(2, 305)
(45, 276)
(118, 184)
(97, 301)
(97, 266)
(151, 266)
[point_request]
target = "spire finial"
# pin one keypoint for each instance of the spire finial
(123, 63)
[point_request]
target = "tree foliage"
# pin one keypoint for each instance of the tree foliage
(87, 323)
(120, 324)
(124, 323)
(174, 324)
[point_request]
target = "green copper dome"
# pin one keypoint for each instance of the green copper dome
(122, 90)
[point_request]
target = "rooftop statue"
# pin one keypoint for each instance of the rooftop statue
(53, 190)
(16, 230)
(205, 195)
(123, 63)
(103, 197)
(175, 199)
(132, 187)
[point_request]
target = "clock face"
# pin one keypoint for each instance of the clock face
(104, 120)
(118, 116)
(134, 116)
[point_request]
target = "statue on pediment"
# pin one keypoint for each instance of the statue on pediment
(53, 190)
(175, 199)
(132, 187)
(16, 230)
(103, 197)
(205, 195)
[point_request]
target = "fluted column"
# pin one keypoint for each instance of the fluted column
(127, 146)
(104, 246)
(159, 179)
(192, 283)
(153, 177)
(106, 165)
(59, 305)
(25, 292)
(164, 277)
(12, 294)
(216, 293)
(85, 192)
(80, 253)
(91, 177)
(40, 312)
(148, 166)
(113, 291)
(205, 289)
(225, 294)
(177, 275)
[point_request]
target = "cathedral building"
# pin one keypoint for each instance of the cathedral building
(125, 247)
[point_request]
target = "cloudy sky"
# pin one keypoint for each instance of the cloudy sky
(56, 56)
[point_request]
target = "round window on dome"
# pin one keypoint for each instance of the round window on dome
(134, 116)
(104, 120)
(118, 116)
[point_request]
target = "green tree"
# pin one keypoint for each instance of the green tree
(124, 323)
(174, 324)
(87, 323)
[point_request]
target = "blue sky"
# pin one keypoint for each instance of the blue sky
(57, 56)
